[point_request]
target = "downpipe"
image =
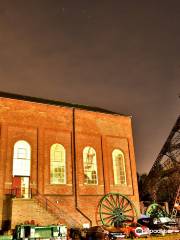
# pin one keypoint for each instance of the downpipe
(75, 172)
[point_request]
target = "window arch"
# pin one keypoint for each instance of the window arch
(22, 158)
(57, 164)
(90, 166)
(119, 167)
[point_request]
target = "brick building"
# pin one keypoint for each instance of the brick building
(58, 156)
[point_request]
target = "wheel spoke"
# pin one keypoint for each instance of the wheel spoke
(122, 203)
(128, 210)
(111, 196)
(128, 216)
(125, 206)
(108, 219)
(108, 213)
(108, 208)
(109, 203)
(117, 201)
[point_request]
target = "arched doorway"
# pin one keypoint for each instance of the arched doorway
(21, 169)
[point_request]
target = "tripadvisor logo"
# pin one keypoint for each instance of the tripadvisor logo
(160, 231)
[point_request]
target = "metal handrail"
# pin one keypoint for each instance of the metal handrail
(46, 202)
(29, 193)
(42, 200)
(51, 207)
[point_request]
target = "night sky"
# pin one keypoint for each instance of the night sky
(119, 55)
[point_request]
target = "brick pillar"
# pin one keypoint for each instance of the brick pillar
(3, 157)
(40, 160)
(105, 166)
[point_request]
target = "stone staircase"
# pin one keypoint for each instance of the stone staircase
(40, 210)
(27, 210)
(62, 215)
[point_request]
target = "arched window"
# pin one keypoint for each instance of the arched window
(90, 166)
(22, 159)
(57, 164)
(119, 167)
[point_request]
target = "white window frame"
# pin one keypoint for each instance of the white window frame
(119, 174)
(22, 158)
(90, 166)
(60, 162)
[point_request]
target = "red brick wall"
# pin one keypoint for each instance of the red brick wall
(104, 132)
(42, 125)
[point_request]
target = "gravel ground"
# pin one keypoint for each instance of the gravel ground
(166, 237)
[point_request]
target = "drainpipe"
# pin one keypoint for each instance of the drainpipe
(75, 172)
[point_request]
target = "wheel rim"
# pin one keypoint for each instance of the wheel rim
(115, 208)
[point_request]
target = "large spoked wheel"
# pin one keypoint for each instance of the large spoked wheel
(115, 209)
(155, 211)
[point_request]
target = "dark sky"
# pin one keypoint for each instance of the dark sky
(120, 55)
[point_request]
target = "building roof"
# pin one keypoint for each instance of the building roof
(56, 103)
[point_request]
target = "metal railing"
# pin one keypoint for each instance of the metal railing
(43, 201)
(32, 193)
(49, 205)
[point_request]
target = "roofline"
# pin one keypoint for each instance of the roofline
(57, 103)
